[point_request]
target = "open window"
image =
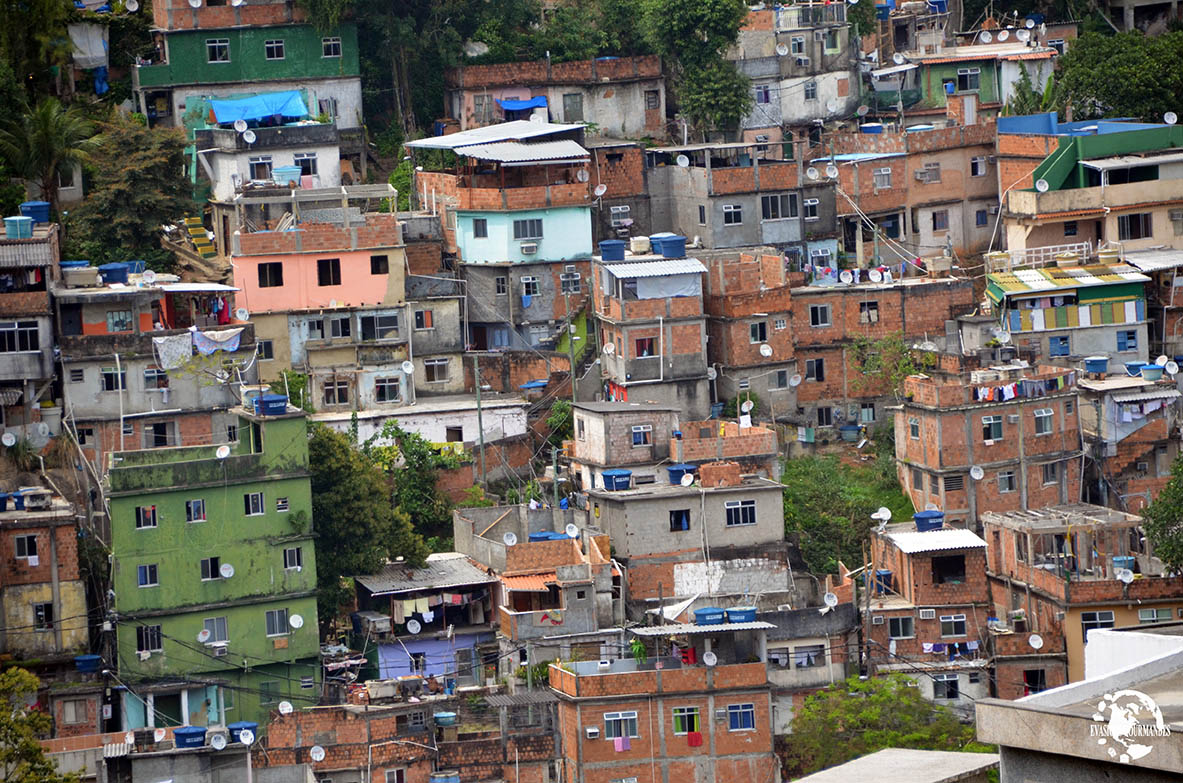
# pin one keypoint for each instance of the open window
(948, 569)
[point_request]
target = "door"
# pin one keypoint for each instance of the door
(71, 319)
(157, 434)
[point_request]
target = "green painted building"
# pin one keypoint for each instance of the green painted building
(214, 573)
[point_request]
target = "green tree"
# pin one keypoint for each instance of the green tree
(414, 466)
(856, 717)
(1125, 75)
(560, 420)
(22, 759)
(46, 140)
(33, 41)
(358, 527)
(885, 363)
(137, 186)
(1026, 99)
(1163, 520)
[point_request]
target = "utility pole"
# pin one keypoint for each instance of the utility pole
(554, 468)
(480, 424)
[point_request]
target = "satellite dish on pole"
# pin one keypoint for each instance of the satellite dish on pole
(240, 125)
(1003, 337)
(1042, 185)
(898, 58)
(747, 406)
(1161, 361)
(223, 451)
(413, 627)
(986, 37)
(1029, 24)
(1003, 35)
(712, 373)
(1172, 367)
(296, 621)
(237, 3)
(218, 742)
(131, 6)
(148, 276)
(600, 190)
(242, 314)
(159, 735)
(203, 635)
(977, 473)
(682, 161)
(931, 507)
(609, 348)
(875, 275)
(1124, 575)
(1036, 641)
(510, 539)
(8, 439)
(832, 171)
(782, 49)
(846, 276)
(316, 753)
(766, 350)
(709, 658)
(830, 600)
(812, 173)
(285, 708)
(862, 111)
(1170, 118)
(195, 3)
(687, 479)
(582, 175)
(884, 513)
(795, 381)
(246, 737)
(408, 367)
(572, 530)
(249, 137)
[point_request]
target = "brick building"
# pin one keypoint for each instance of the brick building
(623, 210)
(617, 435)
(1020, 425)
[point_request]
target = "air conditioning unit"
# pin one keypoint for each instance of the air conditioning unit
(928, 614)
(592, 732)
(994, 210)
(604, 666)
(221, 650)
(1012, 418)
(762, 138)
(803, 62)
(922, 176)
(720, 715)
(529, 248)
(819, 35)
(877, 620)
(991, 159)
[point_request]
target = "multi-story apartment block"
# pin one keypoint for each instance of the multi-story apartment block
(624, 97)
(1019, 425)
(809, 650)
(214, 576)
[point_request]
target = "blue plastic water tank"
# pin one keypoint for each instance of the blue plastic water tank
(38, 210)
(541, 536)
(237, 729)
(271, 405)
(950, 88)
(677, 471)
(929, 520)
(1120, 561)
(445, 718)
(18, 227)
(189, 736)
(673, 247)
(617, 479)
(135, 267)
(114, 273)
(709, 615)
(73, 264)
(882, 581)
(87, 663)
(1097, 364)
(871, 127)
(612, 249)
(741, 614)
(1133, 369)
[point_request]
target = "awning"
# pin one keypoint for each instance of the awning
(675, 611)
(529, 583)
(1154, 260)
(881, 72)
(511, 152)
(197, 288)
(9, 396)
(537, 102)
(669, 266)
(505, 131)
(1157, 394)
(288, 103)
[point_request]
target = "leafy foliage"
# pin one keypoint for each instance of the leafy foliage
(560, 420)
(731, 405)
(886, 362)
(33, 41)
(1028, 100)
(1124, 75)
(295, 386)
(856, 717)
(22, 759)
(414, 466)
(46, 140)
(1164, 520)
(714, 94)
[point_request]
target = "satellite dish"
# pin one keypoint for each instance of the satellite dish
(218, 741)
(781, 49)
(130, 738)
(296, 621)
(832, 171)
(332, 304)
(829, 599)
(812, 173)
(242, 314)
(249, 137)
(846, 276)
(833, 106)
(8, 439)
(1029, 24)
(246, 736)
(795, 381)
(1042, 186)
(582, 175)
(1023, 35)
(609, 348)
(852, 2)
(977, 473)
(898, 59)
(408, 367)
(237, 3)
(572, 530)
(931, 507)
(1003, 35)
(884, 513)
(148, 276)
(1124, 575)
(1170, 118)
(1036, 641)
(195, 3)
(709, 658)
(316, 753)
(203, 635)
(1003, 337)
(747, 406)
(226, 570)
(159, 735)
(510, 539)
(1172, 367)
(682, 161)
(875, 275)
(42, 428)
(1161, 361)
(862, 111)
(240, 125)
(712, 373)
(131, 6)
(766, 350)
(986, 37)
(600, 190)
(686, 480)
(285, 708)
(223, 451)
(413, 626)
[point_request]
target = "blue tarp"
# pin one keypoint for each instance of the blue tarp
(534, 103)
(534, 385)
(288, 103)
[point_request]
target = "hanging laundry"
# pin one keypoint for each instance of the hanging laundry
(938, 648)
(621, 744)
(694, 739)
(457, 599)
(172, 351)
(428, 617)
(222, 340)
(396, 613)
(926, 646)
(434, 600)
(971, 646)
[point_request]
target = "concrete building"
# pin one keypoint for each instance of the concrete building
(1164, 307)
(623, 210)
(983, 73)
(623, 97)
(900, 765)
(808, 651)
(633, 436)
(224, 627)
(1020, 425)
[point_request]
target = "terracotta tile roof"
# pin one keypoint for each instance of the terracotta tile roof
(1069, 213)
(1031, 56)
(529, 583)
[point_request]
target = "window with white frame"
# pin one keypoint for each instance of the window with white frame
(252, 503)
(740, 512)
(1043, 421)
(277, 622)
(1051, 473)
(811, 91)
(218, 629)
(811, 208)
(145, 517)
(763, 94)
(620, 724)
(330, 47)
(1098, 619)
(260, 167)
(435, 370)
(387, 389)
(797, 44)
(780, 324)
(17, 336)
(914, 428)
(25, 546)
(529, 285)
(149, 638)
(992, 428)
(642, 435)
(819, 315)
(945, 687)
(977, 166)
(968, 79)
(867, 412)
(1154, 615)
(195, 510)
(211, 568)
(217, 50)
(901, 627)
(952, 625)
(758, 331)
(293, 558)
(530, 228)
(1007, 481)
(147, 575)
(273, 48)
(882, 179)
(741, 717)
(620, 215)
(306, 161)
(686, 720)
(732, 214)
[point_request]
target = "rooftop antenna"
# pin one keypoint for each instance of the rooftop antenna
(510, 539)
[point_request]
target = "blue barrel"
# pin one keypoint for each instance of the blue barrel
(444, 776)
(612, 249)
(741, 614)
(18, 227)
(87, 663)
(38, 210)
(849, 432)
(271, 405)
(445, 718)
(189, 736)
(657, 240)
(710, 615)
(237, 728)
(673, 247)
(18, 500)
(3, 501)
(114, 273)
(1096, 364)
(716, 409)
(73, 264)
(929, 520)
(874, 128)
(1120, 561)
(950, 88)
(1151, 372)
(883, 12)
(617, 479)
(678, 471)
(1133, 369)
(882, 581)
(543, 536)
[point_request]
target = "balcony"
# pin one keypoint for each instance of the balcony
(802, 15)
(126, 344)
(1031, 204)
(302, 135)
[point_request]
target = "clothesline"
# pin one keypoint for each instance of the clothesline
(1024, 388)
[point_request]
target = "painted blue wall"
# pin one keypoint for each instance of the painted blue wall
(566, 235)
(441, 654)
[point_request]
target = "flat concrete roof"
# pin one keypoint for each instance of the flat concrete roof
(901, 765)
(1059, 518)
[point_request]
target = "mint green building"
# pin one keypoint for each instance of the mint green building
(214, 573)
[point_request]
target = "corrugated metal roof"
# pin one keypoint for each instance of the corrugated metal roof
(517, 152)
(1069, 213)
(31, 252)
(1157, 394)
(1131, 161)
(1154, 260)
(668, 266)
(1023, 281)
(911, 542)
(529, 583)
(894, 69)
(691, 628)
(521, 697)
(505, 131)
(443, 570)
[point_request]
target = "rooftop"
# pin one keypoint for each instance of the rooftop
(993, 51)
(659, 490)
(947, 538)
(442, 404)
(515, 152)
(1154, 260)
(693, 629)
(442, 570)
(1062, 518)
(1114, 383)
(624, 407)
(660, 267)
(902, 765)
(39, 250)
(1025, 281)
(506, 131)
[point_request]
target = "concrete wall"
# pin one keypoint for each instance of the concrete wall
(229, 168)
(566, 235)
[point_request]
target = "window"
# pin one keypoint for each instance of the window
(145, 517)
(815, 369)
(330, 47)
(968, 79)
(146, 575)
(1043, 421)
(702, 215)
(1058, 346)
(685, 720)
(948, 570)
(1068, 407)
(217, 50)
(944, 686)
(260, 167)
(529, 285)
(954, 483)
(811, 91)
(195, 510)
(396, 776)
(914, 428)
(778, 207)
(868, 312)
(953, 624)
(386, 389)
(1135, 226)
(149, 638)
(336, 390)
(271, 274)
(652, 99)
(901, 627)
(882, 179)
(293, 557)
(569, 281)
(573, 107)
(1091, 620)
(732, 214)
(867, 412)
(378, 327)
(643, 435)
(328, 271)
(1070, 228)
(780, 324)
(621, 215)
(932, 172)
(21, 336)
(1127, 340)
(620, 724)
(277, 622)
(825, 416)
(113, 380)
(273, 49)
(740, 512)
(252, 503)
(809, 656)
(480, 228)
(763, 94)
(644, 347)
(527, 229)
(981, 218)
(797, 44)
(679, 519)
(1034, 681)
(819, 315)
(1057, 44)
(209, 568)
(281, 504)
(77, 376)
(217, 629)
(1146, 616)
(977, 167)
(991, 428)
(741, 717)
(758, 331)
(811, 209)
(940, 220)
(1051, 473)
(155, 378)
(74, 711)
(500, 285)
(435, 370)
(424, 320)
(119, 321)
(1006, 481)
(917, 480)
